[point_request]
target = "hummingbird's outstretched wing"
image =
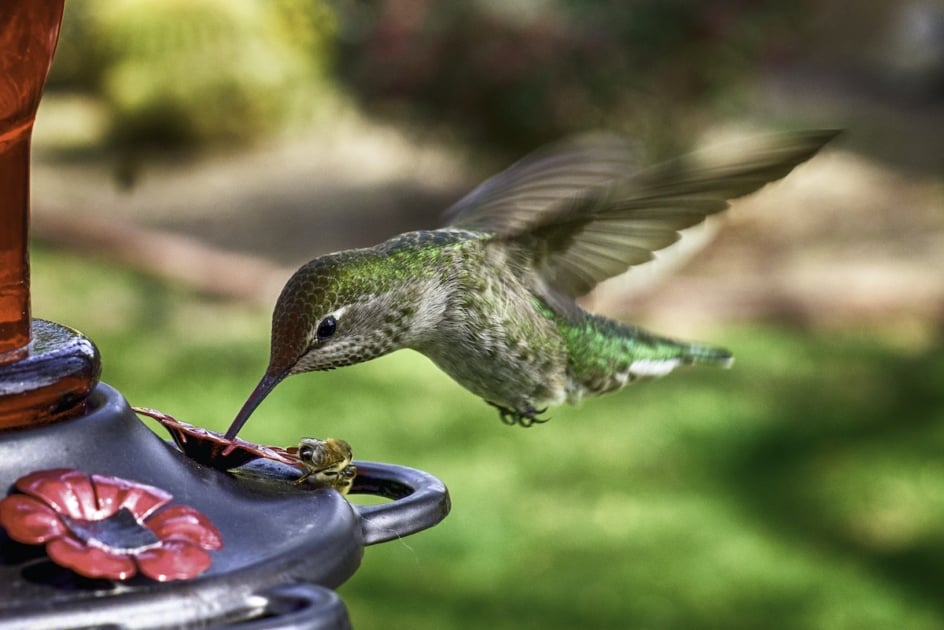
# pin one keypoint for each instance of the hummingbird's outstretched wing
(583, 211)
(512, 201)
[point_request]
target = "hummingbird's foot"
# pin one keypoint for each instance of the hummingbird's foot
(526, 418)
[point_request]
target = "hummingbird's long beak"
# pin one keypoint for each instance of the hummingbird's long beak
(266, 385)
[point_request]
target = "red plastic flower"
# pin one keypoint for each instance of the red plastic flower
(108, 527)
(214, 449)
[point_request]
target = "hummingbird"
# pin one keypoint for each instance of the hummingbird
(491, 297)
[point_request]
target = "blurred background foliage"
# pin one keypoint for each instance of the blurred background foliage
(506, 75)
(522, 73)
(803, 489)
(204, 72)
(501, 76)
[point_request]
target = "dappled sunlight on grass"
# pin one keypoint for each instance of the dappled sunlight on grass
(801, 489)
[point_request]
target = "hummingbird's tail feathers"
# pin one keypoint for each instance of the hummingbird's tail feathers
(604, 355)
(653, 356)
(698, 354)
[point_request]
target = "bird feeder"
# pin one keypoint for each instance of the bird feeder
(126, 529)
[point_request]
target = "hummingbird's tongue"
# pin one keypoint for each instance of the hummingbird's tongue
(266, 385)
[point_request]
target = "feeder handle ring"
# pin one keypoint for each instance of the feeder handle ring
(420, 501)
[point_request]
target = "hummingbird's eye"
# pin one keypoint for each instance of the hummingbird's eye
(327, 327)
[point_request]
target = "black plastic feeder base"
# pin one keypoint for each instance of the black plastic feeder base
(285, 547)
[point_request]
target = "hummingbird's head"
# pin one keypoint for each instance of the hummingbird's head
(334, 311)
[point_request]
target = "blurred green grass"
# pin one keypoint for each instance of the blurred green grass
(802, 489)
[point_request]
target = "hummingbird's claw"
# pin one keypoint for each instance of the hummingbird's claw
(527, 418)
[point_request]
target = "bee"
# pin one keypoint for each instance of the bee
(327, 462)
